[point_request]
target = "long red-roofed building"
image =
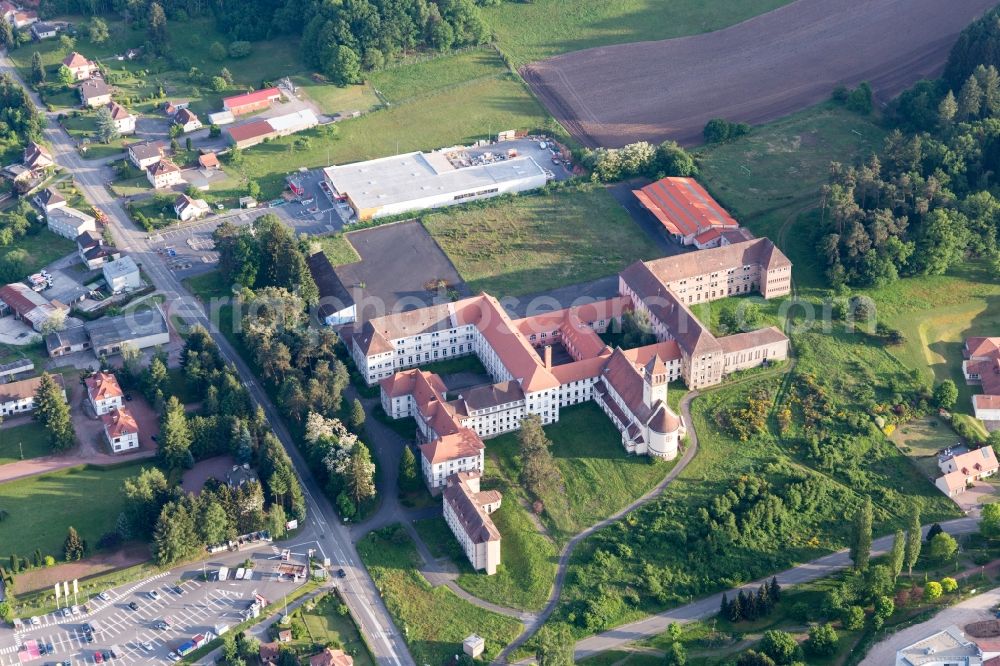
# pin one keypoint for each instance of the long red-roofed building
(257, 100)
(686, 211)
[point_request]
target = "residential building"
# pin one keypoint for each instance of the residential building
(19, 397)
(122, 275)
(120, 430)
(103, 392)
(960, 471)
(258, 131)
(982, 366)
(37, 157)
(30, 306)
(163, 174)
(94, 92)
(93, 251)
(124, 120)
(40, 31)
(418, 181)
(950, 647)
(269, 653)
(49, 199)
(467, 511)
(331, 657)
(81, 68)
(336, 305)
(173, 107)
(187, 120)
(24, 179)
(69, 222)
(258, 100)
(24, 19)
(687, 211)
(145, 154)
(68, 341)
(187, 208)
(138, 329)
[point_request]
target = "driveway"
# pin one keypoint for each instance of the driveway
(961, 614)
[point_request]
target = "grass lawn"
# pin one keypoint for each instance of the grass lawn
(468, 364)
(433, 621)
(42, 507)
(29, 439)
(788, 162)
(36, 250)
(544, 28)
(337, 248)
(419, 79)
(132, 186)
(454, 116)
(333, 99)
(153, 212)
(534, 242)
(920, 440)
(83, 128)
(326, 625)
(600, 477)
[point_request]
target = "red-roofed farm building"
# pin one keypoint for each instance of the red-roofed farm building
(687, 212)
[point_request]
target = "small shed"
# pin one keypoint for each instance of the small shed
(474, 645)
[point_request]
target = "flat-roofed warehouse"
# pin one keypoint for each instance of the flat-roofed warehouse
(417, 180)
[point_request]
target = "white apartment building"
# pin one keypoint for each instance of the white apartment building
(19, 397)
(104, 392)
(120, 430)
(467, 511)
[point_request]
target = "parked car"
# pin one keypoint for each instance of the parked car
(134, 606)
(153, 594)
(98, 658)
(75, 610)
(177, 590)
(104, 596)
(146, 645)
(341, 573)
(34, 620)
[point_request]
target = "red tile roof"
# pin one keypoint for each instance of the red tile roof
(103, 386)
(208, 160)
(250, 130)
(118, 112)
(462, 444)
(120, 422)
(255, 97)
(74, 59)
(463, 500)
(683, 206)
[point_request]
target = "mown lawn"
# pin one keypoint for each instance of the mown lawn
(455, 116)
(535, 242)
(544, 28)
(29, 439)
(418, 79)
(333, 99)
(83, 128)
(337, 248)
(781, 166)
(600, 477)
(326, 625)
(39, 248)
(434, 621)
(41, 508)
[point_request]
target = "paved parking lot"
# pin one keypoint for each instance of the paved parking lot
(201, 607)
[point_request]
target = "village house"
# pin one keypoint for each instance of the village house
(31, 307)
(24, 18)
(120, 430)
(163, 174)
(268, 653)
(93, 251)
(467, 511)
(982, 366)
(258, 100)
(49, 199)
(81, 68)
(331, 657)
(122, 275)
(103, 392)
(124, 120)
(40, 31)
(187, 120)
(145, 154)
(37, 157)
(172, 107)
(19, 397)
(94, 93)
(69, 222)
(187, 208)
(208, 161)
(964, 469)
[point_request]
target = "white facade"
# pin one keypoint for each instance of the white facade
(69, 222)
(436, 474)
(122, 275)
(123, 442)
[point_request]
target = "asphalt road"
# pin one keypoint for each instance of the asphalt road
(804, 573)
(322, 523)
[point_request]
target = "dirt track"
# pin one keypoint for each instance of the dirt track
(755, 71)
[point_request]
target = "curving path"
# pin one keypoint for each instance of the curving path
(567, 551)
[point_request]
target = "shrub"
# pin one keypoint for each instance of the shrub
(240, 49)
(932, 591)
(853, 618)
(822, 640)
(949, 585)
(718, 130)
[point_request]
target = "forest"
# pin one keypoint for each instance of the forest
(926, 202)
(340, 38)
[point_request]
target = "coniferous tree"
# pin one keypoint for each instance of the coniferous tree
(107, 131)
(52, 412)
(37, 69)
(539, 472)
(156, 28)
(357, 415)
(360, 481)
(409, 481)
(774, 589)
(73, 547)
(6, 33)
(897, 554)
(724, 606)
(175, 435)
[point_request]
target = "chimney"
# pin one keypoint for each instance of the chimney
(548, 356)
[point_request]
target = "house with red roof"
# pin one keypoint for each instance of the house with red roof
(81, 68)
(120, 430)
(687, 211)
(103, 392)
(982, 366)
